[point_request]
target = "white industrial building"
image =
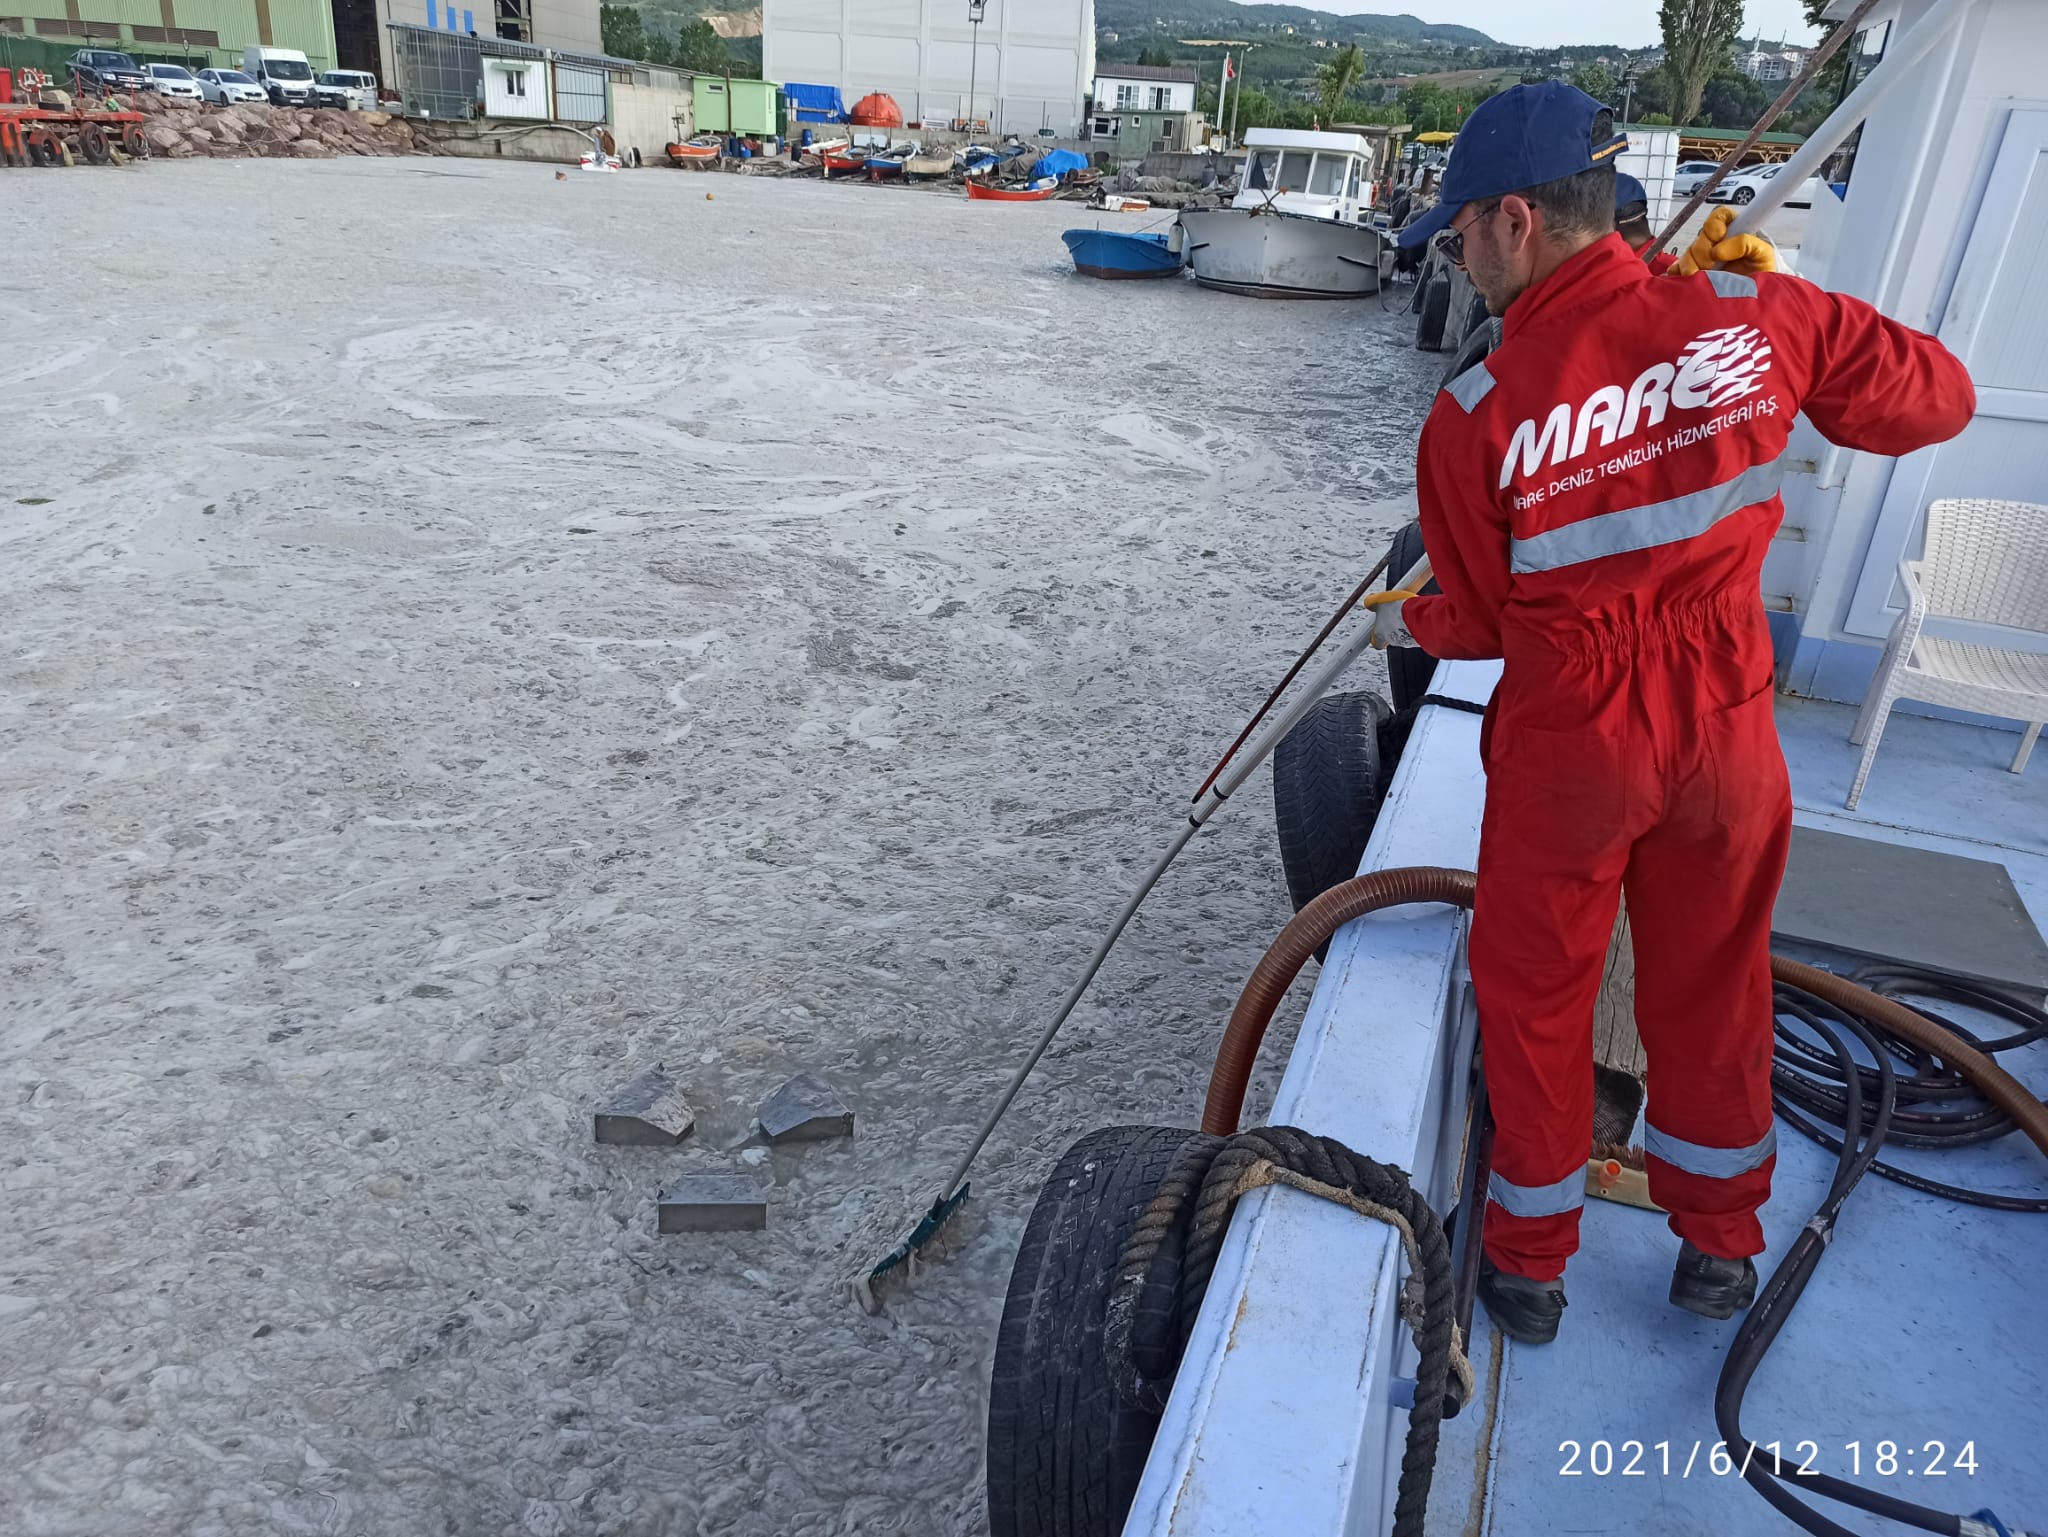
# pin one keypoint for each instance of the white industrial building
(1026, 65)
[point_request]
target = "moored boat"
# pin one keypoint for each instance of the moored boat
(890, 161)
(1036, 192)
(1102, 253)
(939, 163)
(703, 146)
(1300, 228)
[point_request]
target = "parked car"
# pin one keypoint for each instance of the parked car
(1743, 187)
(284, 74)
(352, 90)
(100, 69)
(1685, 181)
(225, 87)
(173, 80)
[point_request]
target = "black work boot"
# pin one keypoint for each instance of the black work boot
(1711, 1287)
(1520, 1308)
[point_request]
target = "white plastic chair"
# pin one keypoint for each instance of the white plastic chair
(1987, 562)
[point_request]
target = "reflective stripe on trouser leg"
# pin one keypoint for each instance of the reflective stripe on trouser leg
(1552, 1200)
(1709, 1162)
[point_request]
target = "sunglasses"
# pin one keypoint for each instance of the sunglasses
(1453, 245)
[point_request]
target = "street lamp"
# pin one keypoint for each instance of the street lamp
(975, 11)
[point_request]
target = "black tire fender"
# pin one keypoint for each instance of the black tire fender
(1065, 1450)
(1435, 310)
(1326, 793)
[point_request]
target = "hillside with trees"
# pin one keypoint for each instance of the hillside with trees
(1305, 69)
(675, 32)
(1239, 20)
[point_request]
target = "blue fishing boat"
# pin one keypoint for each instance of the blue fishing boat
(1101, 253)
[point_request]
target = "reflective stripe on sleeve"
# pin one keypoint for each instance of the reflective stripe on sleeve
(1732, 285)
(1568, 1194)
(1711, 1162)
(1471, 387)
(1645, 527)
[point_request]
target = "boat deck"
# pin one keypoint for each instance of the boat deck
(1922, 1325)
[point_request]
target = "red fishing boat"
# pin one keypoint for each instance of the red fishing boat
(1037, 192)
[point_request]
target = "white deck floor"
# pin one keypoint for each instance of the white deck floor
(1922, 1325)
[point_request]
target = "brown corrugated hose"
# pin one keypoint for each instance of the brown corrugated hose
(1336, 907)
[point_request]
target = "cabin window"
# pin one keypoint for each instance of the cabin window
(1260, 174)
(1327, 179)
(1357, 171)
(1864, 51)
(1294, 164)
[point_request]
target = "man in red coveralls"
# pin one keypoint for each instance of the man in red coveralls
(1632, 219)
(1596, 500)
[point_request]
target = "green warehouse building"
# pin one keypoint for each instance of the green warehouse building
(196, 33)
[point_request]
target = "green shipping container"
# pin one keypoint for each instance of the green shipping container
(750, 109)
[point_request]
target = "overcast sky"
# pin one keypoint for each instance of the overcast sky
(1548, 22)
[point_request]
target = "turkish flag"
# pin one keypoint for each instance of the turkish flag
(1229, 72)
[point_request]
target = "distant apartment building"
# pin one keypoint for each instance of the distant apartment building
(1779, 65)
(1023, 68)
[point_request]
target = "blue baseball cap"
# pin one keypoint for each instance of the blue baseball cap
(1525, 136)
(1627, 190)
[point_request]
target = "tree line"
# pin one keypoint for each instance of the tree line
(1695, 84)
(695, 45)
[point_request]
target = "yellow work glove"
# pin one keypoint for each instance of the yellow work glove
(1715, 250)
(1388, 629)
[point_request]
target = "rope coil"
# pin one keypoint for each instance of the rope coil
(1167, 1263)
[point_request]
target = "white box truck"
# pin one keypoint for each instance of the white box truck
(284, 73)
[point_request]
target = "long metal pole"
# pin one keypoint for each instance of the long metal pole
(1205, 806)
(1855, 107)
(973, 71)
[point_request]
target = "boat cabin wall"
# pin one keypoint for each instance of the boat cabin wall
(1947, 178)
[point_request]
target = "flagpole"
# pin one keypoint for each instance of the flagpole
(1222, 91)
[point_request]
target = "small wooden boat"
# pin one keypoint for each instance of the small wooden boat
(1118, 202)
(852, 160)
(703, 146)
(1036, 192)
(889, 162)
(928, 166)
(1101, 253)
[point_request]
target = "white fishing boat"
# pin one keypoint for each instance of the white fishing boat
(1282, 1395)
(1301, 224)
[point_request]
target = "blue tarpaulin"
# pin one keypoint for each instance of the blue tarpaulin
(1057, 162)
(816, 103)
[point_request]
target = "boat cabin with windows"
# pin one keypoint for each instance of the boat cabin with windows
(1315, 175)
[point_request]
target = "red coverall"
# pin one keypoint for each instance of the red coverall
(1596, 500)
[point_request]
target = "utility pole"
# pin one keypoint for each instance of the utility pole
(1231, 138)
(975, 9)
(1223, 90)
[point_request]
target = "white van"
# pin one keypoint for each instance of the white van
(351, 90)
(284, 73)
